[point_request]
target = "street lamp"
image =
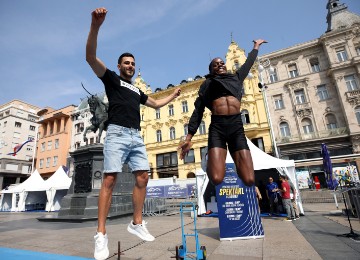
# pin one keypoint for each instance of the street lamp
(264, 64)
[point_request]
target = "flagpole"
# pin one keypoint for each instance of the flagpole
(34, 148)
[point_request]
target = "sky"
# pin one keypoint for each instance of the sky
(42, 42)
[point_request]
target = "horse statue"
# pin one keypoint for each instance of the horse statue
(99, 111)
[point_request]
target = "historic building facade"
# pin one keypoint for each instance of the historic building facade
(313, 91)
(54, 139)
(18, 123)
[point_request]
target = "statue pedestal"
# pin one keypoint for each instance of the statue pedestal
(81, 202)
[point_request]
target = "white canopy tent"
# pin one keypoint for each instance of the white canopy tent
(261, 161)
(56, 188)
(34, 183)
(35, 191)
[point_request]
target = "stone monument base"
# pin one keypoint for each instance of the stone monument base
(81, 202)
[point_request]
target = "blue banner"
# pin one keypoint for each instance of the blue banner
(175, 191)
(191, 189)
(155, 192)
(239, 216)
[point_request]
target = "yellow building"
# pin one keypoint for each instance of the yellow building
(162, 128)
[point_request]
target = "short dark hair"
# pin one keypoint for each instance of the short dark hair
(125, 54)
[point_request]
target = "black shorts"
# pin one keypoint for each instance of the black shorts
(227, 130)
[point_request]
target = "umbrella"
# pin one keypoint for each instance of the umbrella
(330, 180)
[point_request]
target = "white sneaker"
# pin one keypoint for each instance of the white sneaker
(141, 231)
(101, 246)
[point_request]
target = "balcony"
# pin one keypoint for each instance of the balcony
(313, 136)
(303, 109)
(353, 97)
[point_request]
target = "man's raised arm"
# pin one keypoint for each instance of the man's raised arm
(97, 18)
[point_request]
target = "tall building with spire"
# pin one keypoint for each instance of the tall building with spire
(314, 95)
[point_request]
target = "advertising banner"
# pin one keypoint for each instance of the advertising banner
(191, 189)
(175, 191)
(155, 192)
(239, 216)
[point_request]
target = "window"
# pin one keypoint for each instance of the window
(203, 152)
(202, 128)
(32, 118)
(322, 92)
(79, 128)
(190, 157)
(56, 144)
(18, 124)
(32, 128)
(314, 63)
(245, 116)
(351, 82)
(284, 129)
(184, 105)
(307, 126)
(357, 114)
(43, 146)
(186, 129)
(237, 65)
(259, 142)
(273, 76)
(279, 104)
(55, 161)
(31, 137)
(172, 133)
(171, 110)
(48, 160)
(166, 159)
(300, 96)
(49, 146)
(341, 54)
(77, 145)
(330, 121)
(41, 164)
(158, 136)
(293, 72)
(157, 113)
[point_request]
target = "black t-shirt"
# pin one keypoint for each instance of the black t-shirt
(124, 100)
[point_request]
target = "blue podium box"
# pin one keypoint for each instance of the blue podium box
(238, 210)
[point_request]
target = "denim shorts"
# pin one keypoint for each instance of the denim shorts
(124, 145)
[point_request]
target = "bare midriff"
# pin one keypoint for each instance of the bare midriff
(228, 105)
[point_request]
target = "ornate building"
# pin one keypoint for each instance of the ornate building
(162, 128)
(314, 94)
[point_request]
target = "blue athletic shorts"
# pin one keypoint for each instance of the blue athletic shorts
(124, 145)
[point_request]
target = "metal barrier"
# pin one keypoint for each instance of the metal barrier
(154, 206)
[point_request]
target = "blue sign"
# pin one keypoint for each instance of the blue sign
(191, 189)
(155, 192)
(239, 216)
(175, 191)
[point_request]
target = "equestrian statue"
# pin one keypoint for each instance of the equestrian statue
(99, 111)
